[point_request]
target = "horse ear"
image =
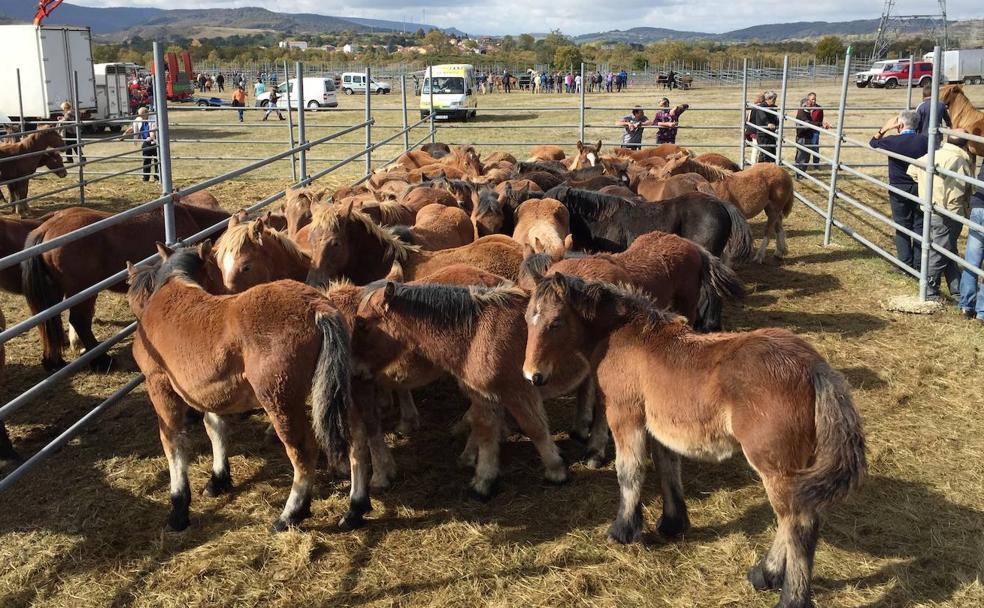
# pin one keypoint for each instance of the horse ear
(560, 284)
(538, 244)
(256, 230)
(347, 209)
(580, 145)
(598, 147)
(569, 242)
(163, 250)
(234, 220)
(131, 271)
(205, 249)
(389, 291)
(528, 251)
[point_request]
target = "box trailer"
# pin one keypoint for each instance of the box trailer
(113, 92)
(48, 59)
(962, 65)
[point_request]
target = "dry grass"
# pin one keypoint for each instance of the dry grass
(85, 529)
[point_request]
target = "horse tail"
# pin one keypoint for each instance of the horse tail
(718, 281)
(786, 194)
(739, 245)
(42, 292)
(839, 462)
(331, 393)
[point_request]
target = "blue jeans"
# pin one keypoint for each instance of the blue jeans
(972, 298)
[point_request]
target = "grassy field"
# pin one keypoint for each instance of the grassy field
(86, 528)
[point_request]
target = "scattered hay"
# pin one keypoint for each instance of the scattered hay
(913, 305)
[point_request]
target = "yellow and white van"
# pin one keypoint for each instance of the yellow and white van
(454, 91)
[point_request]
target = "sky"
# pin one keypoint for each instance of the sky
(582, 16)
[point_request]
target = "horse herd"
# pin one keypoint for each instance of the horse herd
(600, 275)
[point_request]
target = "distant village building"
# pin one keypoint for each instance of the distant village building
(329, 48)
(349, 48)
(293, 44)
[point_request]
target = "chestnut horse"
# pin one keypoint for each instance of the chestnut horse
(437, 227)
(718, 160)
(64, 271)
(760, 187)
(347, 243)
(767, 393)
(544, 225)
(476, 334)
(964, 115)
(546, 152)
(267, 348)
(24, 167)
(587, 156)
(297, 207)
(250, 253)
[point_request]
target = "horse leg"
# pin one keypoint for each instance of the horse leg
(675, 519)
(484, 420)
(170, 410)
(80, 318)
(8, 454)
(295, 432)
(769, 231)
(360, 457)
(629, 432)
(218, 433)
(532, 421)
(597, 451)
(584, 412)
(383, 465)
(409, 417)
(781, 248)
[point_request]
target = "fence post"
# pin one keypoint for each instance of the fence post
(301, 131)
(406, 120)
(908, 93)
(581, 132)
(290, 126)
(744, 109)
(20, 102)
(835, 160)
(163, 143)
(430, 90)
(934, 131)
(782, 109)
(368, 118)
(78, 136)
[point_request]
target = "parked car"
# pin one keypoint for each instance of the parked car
(962, 65)
(355, 82)
(319, 92)
(895, 75)
(863, 79)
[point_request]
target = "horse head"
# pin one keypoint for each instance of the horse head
(53, 161)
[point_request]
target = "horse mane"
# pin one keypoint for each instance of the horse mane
(587, 203)
(183, 264)
(328, 218)
(389, 210)
(236, 237)
(488, 202)
(404, 233)
(959, 106)
(595, 300)
(709, 172)
(446, 304)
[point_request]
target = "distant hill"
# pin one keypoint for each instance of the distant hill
(642, 35)
(121, 23)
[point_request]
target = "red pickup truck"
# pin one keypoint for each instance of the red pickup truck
(897, 74)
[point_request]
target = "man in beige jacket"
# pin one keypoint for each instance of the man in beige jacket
(954, 196)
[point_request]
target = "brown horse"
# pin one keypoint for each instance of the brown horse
(65, 271)
(767, 393)
(250, 253)
(587, 156)
(718, 160)
(656, 188)
(438, 227)
(544, 225)
(964, 115)
(23, 167)
(760, 187)
(267, 348)
(546, 152)
(13, 233)
(297, 207)
(476, 335)
(347, 243)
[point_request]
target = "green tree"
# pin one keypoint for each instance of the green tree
(567, 56)
(639, 62)
(420, 33)
(436, 38)
(526, 42)
(830, 48)
(508, 43)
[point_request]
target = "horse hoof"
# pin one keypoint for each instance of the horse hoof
(482, 496)
(217, 485)
(596, 460)
(672, 527)
(624, 534)
(762, 580)
(177, 522)
(351, 521)
(558, 478)
(52, 365)
(282, 525)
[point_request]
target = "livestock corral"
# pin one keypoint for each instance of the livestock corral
(93, 524)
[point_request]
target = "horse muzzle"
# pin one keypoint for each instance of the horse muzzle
(535, 378)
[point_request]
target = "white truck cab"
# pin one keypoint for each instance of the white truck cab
(355, 82)
(454, 92)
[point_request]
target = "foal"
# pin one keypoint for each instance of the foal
(250, 254)
(766, 392)
(267, 348)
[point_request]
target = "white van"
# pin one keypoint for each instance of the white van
(355, 82)
(319, 92)
(454, 92)
(113, 93)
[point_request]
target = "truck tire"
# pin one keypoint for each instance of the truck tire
(891, 83)
(264, 103)
(924, 81)
(347, 91)
(313, 105)
(861, 85)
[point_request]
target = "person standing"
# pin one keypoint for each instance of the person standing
(239, 100)
(769, 123)
(68, 132)
(666, 119)
(924, 108)
(578, 83)
(634, 125)
(220, 80)
(506, 84)
(258, 88)
(950, 194)
(811, 113)
(272, 105)
(906, 212)
(145, 131)
(972, 298)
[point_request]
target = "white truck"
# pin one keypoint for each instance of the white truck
(48, 58)
(962, 65)
(113, 93)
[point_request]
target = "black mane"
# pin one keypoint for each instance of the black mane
(450, 305)
(587, 203)
(184, 263)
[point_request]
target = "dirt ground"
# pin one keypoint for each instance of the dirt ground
(85, 529)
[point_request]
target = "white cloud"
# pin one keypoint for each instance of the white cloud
(582, 16)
